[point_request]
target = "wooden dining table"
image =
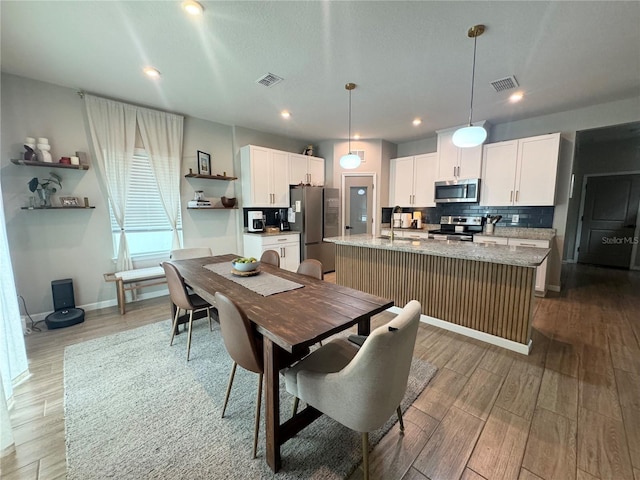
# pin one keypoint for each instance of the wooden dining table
(289, 321)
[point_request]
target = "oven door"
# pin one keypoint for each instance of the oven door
(457, 191)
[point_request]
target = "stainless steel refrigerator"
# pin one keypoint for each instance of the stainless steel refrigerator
(317, 216)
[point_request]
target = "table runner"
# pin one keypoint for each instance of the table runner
(264, 283)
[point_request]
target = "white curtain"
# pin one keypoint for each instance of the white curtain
(162, 138)
(113, 133)
(13, 355)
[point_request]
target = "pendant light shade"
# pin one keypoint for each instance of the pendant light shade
(471, 136)
(350, 160)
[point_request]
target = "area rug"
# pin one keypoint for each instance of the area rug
(136, 409)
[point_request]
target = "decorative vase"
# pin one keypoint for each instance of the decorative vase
(45, 197)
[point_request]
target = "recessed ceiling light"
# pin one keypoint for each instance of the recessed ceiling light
(192, 7)
(516, 97)
(356, 136)
(417, 121)
(285, 114)
(152, 72)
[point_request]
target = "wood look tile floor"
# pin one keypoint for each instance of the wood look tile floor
(570, 410)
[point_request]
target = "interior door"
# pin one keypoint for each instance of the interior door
(609, 220)
(358, 204)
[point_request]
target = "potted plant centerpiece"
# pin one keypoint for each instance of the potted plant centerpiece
(45, 187)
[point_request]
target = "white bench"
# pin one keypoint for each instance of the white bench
(133, 279)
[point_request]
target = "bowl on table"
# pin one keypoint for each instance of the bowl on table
(245, 266)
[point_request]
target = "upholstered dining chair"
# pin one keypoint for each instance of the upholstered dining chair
(186, 253)
(311, 268)
(182, 299)
(271, 257)
(360, 387)
(244, 346)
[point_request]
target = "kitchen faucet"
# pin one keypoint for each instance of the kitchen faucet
(396, 209)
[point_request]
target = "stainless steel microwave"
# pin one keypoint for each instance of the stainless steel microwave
(452, 191)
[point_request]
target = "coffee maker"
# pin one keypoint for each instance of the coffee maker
(255, 221)
(282, 216)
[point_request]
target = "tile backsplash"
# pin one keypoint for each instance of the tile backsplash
(530, 217)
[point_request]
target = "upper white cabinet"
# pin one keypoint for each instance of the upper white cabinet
(306, 169)
(412, 180)
(264, 177)
(520, 172)
(457, 163)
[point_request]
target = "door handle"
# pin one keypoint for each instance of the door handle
(347, 227)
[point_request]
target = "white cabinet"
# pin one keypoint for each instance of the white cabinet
(265, 177)
(306, 169)
(457, 163)
(412, 180)
(541, 270)
(520, 172)
(287, 246)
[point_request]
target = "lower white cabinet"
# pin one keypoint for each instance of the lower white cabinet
(287, 246)
(541, 270)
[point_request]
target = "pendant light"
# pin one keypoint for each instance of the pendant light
(471, 136)
(350, 160)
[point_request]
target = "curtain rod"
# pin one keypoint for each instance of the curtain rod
(82, 93)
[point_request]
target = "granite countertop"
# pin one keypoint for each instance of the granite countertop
(524, 233)
(272, 234)
(503, 254)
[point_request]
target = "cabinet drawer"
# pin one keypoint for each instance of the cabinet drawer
(523, 242)
(490, 240)
(280, 239)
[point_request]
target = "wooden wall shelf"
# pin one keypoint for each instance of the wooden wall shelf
(210, 177)
(35, 163)
(58, 208)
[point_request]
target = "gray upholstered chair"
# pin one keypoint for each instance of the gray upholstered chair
(185, 253)
(271, 257)
(360, 387)
(184, 300)
(311, 268)
(244, 345)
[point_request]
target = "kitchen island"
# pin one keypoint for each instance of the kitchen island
(479, 290)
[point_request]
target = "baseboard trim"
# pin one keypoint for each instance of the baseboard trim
(554, 288)
(469, 332)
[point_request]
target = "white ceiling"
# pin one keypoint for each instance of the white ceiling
(409, 59)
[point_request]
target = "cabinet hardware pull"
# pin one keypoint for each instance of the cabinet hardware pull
(527, 245)
(517, 195)
(282, 254)
(282, 239)
(511, 196)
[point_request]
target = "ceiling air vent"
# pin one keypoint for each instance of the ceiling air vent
(269, 80)
(503, 84)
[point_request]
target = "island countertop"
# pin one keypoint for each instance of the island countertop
(501, 254)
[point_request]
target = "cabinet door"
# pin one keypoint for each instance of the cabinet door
(498, 174)
(289, 256)
(425, 173)
(298, 169)
(541, 270)
(470, 162)
(537, 168)
(490, 240)
(447, 157)
(315, 168)
(279, 177)
(260, 166)
(401, 187)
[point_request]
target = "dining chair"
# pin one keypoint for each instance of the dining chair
(186, 253)
(271, 257)
(360, 387)
(311, 268)
(244, 346)
(182, 299)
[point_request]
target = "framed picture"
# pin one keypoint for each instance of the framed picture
(204, 163)
(69, 201)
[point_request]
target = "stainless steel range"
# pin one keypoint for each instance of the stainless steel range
(454, 227)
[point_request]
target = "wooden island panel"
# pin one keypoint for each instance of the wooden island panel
(488, 297)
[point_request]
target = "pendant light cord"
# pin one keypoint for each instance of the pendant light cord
(473, 77)
(349, 122)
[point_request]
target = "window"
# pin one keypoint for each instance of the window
(148, 229)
